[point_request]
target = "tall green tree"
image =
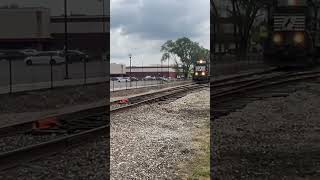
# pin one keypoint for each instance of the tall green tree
(186, 50)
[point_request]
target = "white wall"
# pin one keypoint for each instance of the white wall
(117, 68)
(79, 27)
(148, 69)
(23, 23)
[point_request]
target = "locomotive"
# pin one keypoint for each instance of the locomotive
(293, 37)
(201, 71)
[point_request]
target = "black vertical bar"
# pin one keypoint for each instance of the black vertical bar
(85, 71)
(10, 74)
(130, 70)
(66, 38)
(51, 73)
(168, 68)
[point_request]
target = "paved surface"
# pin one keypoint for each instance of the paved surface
(115, 85)
(46, 85)
(23, 74)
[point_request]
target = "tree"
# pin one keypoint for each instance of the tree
(186, 50)
(315, 5)
(246, 12)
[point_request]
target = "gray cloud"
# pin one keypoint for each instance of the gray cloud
(165, 19)
(140, 27)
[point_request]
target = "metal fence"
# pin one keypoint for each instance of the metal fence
(16, 75)
(126, 85)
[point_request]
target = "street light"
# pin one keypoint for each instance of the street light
(66, 38)
(168, 68)
(130, 55)
(104, 21)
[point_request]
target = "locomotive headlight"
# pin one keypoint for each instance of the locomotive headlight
(298, 38)
(203, 73)
(196, 73)
(277, 38)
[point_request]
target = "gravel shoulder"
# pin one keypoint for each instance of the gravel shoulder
(277, 138)
(156, 141)
(88, 162)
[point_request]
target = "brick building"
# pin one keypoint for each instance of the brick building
(35, 28)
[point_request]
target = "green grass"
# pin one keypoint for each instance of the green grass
(200, 167)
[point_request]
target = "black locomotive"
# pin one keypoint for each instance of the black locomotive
(201, 71)
(293, 37)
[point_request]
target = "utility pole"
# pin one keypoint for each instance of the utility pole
(161, 69)
(104, 17)
(66, 38)
(168, 68)
(130, 55)
(104, 23)
(142, 71)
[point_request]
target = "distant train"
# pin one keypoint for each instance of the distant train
(293, 35)
(201, 71)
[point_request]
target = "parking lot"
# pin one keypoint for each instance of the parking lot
(24, 74)
(114, 85)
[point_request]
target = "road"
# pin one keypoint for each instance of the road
(21, 73)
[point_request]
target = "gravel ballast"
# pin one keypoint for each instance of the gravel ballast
(149, 142)
(277, 138)
(87, 162)
(11, 143)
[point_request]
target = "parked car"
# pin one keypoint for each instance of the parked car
(163, 79)
(149, 78)
(12, 54)
(48, 57)
(29, 52)
(114, 79)
(134, 79)
(77, 56)
(127, 79)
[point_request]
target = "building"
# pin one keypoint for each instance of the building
(24, 27)
(85, 32)
(36, 28)
(117, 70)
(152, 70)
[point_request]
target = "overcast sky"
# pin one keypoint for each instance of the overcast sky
(140, 27)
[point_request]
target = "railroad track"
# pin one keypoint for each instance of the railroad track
(235, 93)
(75, 128)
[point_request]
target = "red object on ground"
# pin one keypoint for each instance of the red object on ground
(124, 101)
(46, 123)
